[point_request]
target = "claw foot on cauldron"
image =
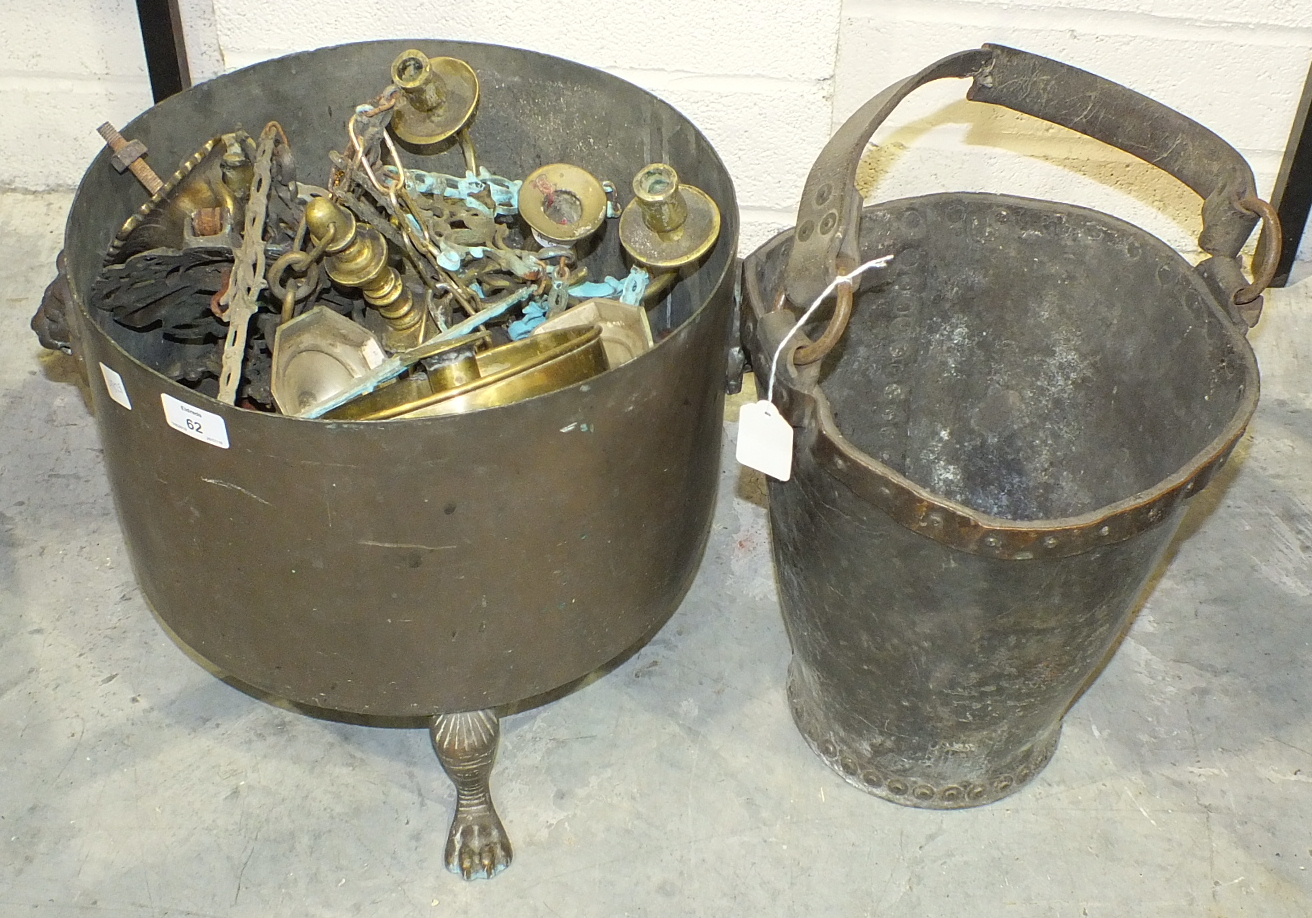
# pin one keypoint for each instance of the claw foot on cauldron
(466, 745)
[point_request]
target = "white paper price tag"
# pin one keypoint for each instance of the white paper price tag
(765, 440)
(192, 421)
(114, 386)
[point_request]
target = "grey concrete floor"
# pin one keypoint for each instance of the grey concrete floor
(134, 783)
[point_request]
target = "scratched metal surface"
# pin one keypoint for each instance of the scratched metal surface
(135, 784)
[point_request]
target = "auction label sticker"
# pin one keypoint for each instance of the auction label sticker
(192, 421)
(114, 386)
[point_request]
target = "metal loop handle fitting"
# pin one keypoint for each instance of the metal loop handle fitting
(1266, 261)
(820, 348)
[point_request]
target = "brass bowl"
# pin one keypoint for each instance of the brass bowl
(510, 373)
(625, 329)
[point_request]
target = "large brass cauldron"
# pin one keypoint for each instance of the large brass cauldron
(443, 566)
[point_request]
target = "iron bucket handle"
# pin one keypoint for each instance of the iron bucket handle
(826, 239)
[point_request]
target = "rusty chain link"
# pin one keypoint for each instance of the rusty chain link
(248, 267)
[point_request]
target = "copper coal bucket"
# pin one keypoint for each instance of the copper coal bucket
(992, 454)
(442, 569)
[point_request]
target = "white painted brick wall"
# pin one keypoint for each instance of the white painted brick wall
(766, 81)
(1237, 67)
(754, 76)
(67, 68)
(61, 75)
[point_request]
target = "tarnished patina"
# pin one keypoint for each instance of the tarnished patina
(417, 568)
(996, 435)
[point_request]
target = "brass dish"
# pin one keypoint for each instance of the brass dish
(317, 355)
(625, 329)
(510, 373)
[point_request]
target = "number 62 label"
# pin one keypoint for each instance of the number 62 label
(192, 421)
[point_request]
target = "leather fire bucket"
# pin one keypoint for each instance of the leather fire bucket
(993, 453)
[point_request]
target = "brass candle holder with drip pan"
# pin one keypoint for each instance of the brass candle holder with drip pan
(563, 204)
(438, 97)
(668, 225)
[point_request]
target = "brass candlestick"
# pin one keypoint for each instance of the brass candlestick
(356, 256)
(667, 225)
(438, 97)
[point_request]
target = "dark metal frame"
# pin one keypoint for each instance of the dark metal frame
(1292, 195)
(166, 49)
